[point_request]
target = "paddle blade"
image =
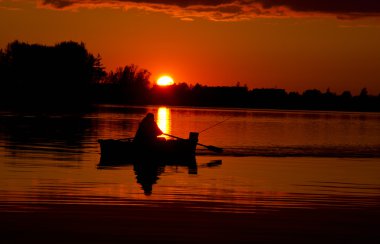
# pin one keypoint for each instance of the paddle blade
(215, 149)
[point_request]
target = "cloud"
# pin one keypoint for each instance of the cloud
(230, 10)
(339, 8)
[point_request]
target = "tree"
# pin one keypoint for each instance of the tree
(363, 93)
(129, 84)
(49, 76)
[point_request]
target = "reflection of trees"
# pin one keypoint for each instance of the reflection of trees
(107, 124)
(60, 136)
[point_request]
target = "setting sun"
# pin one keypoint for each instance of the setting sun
(165, 80)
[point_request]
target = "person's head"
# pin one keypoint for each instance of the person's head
(149, 116)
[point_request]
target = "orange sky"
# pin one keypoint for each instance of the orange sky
(295, 45)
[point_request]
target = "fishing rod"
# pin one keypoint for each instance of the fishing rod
(209, 147)
(215, 124)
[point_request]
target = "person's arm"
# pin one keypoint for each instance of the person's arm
(158, 130)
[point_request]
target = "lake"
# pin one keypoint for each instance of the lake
(272, 160)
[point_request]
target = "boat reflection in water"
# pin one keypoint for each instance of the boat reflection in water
(148, 170)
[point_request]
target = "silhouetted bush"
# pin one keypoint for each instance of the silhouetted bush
(125, 85)
(225, 96)
(59, 76)
(267, 98)
(176, 94)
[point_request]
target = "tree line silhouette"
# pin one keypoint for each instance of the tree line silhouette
(66, 75)
(56, 76)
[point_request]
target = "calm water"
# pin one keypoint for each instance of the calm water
(273, 159)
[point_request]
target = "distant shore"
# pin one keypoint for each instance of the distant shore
(66, 76)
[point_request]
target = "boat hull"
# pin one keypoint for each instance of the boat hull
(127, 150)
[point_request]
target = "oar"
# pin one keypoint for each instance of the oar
(209, 147)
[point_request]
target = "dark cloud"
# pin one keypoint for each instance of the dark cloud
(236, 9)
(58, 3)
(179, 3)
(326, 6)
(342, 9)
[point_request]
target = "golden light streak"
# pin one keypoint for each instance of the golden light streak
(164, 119)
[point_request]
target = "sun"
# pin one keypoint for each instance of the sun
(165, 80)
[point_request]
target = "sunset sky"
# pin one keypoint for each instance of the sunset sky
(290, 44)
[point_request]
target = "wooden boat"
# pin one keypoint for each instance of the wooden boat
(126, 149)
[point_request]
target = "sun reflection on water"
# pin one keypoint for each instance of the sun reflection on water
(164, 119)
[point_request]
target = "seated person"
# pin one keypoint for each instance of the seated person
(148, 130)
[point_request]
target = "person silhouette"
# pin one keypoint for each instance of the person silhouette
(147, 174)
(148, 130)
